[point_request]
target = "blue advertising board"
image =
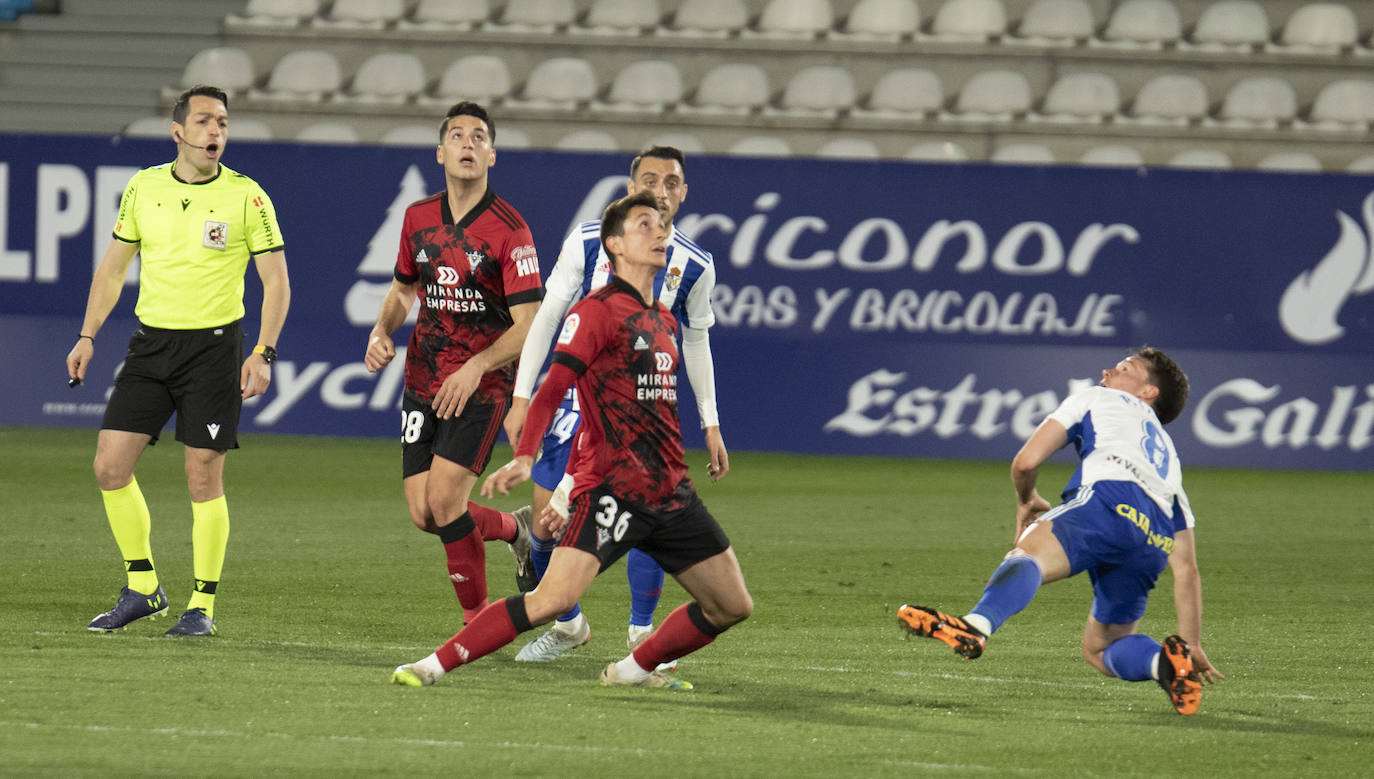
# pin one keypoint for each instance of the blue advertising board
(892, 308)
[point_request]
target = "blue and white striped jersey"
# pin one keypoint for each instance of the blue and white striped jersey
(684, 285)
(1119, 438)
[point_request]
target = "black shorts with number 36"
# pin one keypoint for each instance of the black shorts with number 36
(608, 527)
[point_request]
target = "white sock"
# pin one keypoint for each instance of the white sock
(979, 622)
(573, 626)
(629, 670)
(429, 667)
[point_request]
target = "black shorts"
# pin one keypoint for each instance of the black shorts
(194, 373)
(601, 523)
(466, 439)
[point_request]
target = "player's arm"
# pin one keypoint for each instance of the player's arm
(542, 408)
(106, 285)
(563, 286)
(701, 374)
(276, 299)
(395, 306)
(1047, 439)
(453, 394)
(1188, 602)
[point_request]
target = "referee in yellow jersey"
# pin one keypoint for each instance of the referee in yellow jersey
(195, 223)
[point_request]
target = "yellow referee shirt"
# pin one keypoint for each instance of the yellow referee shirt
(194, 243)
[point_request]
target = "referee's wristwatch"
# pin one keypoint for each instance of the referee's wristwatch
(269, 354)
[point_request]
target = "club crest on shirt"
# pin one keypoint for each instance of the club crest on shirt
(475, 258)
(216, 235)
(603, 537)
(673, 280)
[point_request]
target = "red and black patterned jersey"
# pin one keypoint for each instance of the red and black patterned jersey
(470, 273)
(625, 354)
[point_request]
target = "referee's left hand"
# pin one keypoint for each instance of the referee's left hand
(255, 376)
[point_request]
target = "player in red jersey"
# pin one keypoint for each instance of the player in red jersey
(630, 480)
(469, 257)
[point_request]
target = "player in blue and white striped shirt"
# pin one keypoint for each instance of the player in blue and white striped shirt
(684, 286)
(1125, 517)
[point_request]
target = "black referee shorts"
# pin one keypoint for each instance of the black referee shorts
(194, 373)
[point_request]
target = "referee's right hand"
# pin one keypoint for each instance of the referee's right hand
(79, 358)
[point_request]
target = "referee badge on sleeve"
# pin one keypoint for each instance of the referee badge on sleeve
(216, 235)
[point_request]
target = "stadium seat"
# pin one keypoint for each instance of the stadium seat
(993, 96)
(1201, 158)
(303, 75)
(242, 129)
(817, 91)
(647, 86)
(886, 20)
(803, 19)
(273, 13)
(226, 67)
(536, 16)
(936, 151)
(561, 83)
(588, 140)
(620, 17)
(1055, 23)
(508, 137)
(707, 19)
(969, 20)
(1230, 25)
(731, 88)
(1362, 164)
(1258, 102)
(484, 78)
(849, 149)
(389, 77)
(1297, 161)
(328, 132)
(1318, 28)
(149, 127)
(412, 135)
(1023, 153)
(1346, 105)
(1170, 99)
(447, 15)
(905, 94)
(360, 15)
(684, 142)
(1112, 156)
(1081, 97)
(1142, 24)
(761, 146)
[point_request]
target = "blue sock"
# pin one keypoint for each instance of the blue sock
(1009, 590)
(646, 586)
(1131, 657)
(541, 551)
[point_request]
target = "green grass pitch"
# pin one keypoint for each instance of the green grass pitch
(327, 587)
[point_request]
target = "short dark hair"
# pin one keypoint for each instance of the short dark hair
(183, 103)
(467, 108)
(659, 153)
(1169, 379)
(613, 219)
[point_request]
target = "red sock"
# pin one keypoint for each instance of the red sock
(487, 632)
(679, 635)
(467, 565)
(492, 524)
